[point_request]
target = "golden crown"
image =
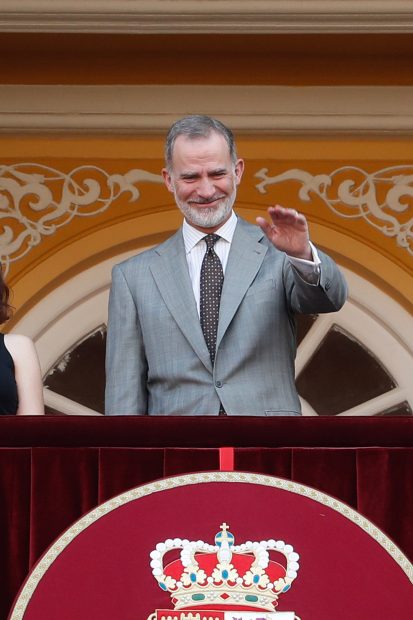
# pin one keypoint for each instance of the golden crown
(245, 577)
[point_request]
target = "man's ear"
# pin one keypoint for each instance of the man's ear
(167, 179)
(239, 169)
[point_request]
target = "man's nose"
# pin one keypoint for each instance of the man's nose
(206, 187)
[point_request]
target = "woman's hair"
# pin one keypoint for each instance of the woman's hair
(5, 307)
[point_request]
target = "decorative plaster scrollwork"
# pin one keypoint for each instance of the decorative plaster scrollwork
(384, 199)
(36, 200)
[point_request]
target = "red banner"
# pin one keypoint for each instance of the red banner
(220, 545)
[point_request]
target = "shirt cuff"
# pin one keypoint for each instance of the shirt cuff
(309, 270)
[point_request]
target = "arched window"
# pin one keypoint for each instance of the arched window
(354, 362)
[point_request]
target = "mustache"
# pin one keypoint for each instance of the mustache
(206, 201)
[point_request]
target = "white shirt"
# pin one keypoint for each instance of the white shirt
(195, 249)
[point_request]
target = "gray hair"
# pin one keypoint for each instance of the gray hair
(198, 126)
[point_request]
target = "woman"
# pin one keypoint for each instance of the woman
(21, 389)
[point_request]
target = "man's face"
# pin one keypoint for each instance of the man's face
(203, 180)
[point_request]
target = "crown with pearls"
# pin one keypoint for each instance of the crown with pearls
(218, 576)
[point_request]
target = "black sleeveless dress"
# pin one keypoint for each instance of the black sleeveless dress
(8, 389)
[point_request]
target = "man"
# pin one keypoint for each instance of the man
(167, 352)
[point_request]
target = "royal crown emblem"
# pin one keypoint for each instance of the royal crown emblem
(225, 576)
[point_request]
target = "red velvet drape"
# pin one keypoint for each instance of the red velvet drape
(57, 469)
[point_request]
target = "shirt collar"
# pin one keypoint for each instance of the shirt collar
(192, 235)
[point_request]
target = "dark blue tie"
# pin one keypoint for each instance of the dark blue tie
(212, 278)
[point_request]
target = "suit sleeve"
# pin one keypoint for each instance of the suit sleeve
(328, 296)
(126, 366)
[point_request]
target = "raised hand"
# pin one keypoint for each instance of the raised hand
(287, 231)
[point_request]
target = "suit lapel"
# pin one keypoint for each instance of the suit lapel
(244, 261)
(170, 272)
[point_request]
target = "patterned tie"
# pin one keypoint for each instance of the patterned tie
(212, 278)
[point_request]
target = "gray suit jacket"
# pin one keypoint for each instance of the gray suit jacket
(157, 361)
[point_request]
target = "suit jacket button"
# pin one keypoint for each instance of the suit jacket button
(218, 383)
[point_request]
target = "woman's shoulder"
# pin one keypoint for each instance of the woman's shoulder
(27, 373)
(18, 344)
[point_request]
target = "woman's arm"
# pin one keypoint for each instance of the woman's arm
(27, 373)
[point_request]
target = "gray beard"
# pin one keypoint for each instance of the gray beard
(207, 218)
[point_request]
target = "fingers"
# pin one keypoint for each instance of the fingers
(264, 225)
(278, 213)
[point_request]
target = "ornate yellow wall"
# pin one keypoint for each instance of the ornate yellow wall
(47, 81)
(71, 202)
(321, 104)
